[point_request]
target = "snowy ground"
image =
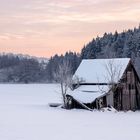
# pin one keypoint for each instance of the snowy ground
(25, 115)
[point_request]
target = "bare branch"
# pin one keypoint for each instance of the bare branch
(113, 72)
(63, 75)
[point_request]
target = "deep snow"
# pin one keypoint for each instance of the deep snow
(101, 70)
(88, 93)
(25, 115)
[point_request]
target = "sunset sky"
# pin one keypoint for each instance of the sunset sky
(47, 27)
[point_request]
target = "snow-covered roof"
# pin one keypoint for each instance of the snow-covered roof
(88, 93)
(101, 70)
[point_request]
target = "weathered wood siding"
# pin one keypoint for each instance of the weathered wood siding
(110, 99)
(127, 94)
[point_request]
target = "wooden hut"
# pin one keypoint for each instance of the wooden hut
(104, 83)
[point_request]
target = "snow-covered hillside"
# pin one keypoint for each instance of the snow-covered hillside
(23, 56)
(25, 115)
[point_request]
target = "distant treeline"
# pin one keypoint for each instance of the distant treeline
(19, 69)
(15, 69)
(72, 58)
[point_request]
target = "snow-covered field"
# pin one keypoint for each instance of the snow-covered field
(25, 115)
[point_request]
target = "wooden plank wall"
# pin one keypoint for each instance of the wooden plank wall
(129, 92)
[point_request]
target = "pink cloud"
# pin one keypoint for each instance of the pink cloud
(47, 23)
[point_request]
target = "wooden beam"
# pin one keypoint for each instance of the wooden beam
(82, 105)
